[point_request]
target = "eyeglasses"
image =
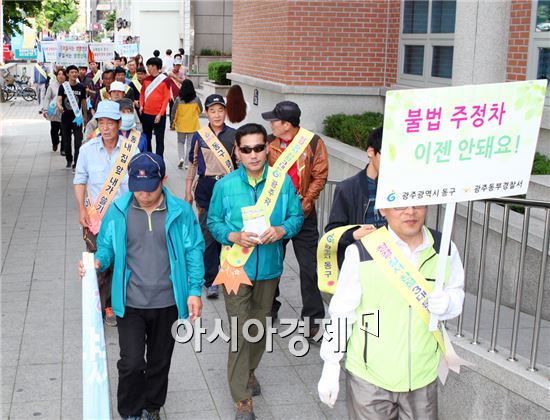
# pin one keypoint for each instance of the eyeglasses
(412, 207)
(257, 149)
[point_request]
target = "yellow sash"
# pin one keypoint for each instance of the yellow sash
(113, 181)
(41, 70)
(217, 148)
(412, 286)
(327, 259)
(232, 273)
(103, 94)
(136, 83)
(96, 77)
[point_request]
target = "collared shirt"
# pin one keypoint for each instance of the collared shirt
(94, 166)
(348, 290)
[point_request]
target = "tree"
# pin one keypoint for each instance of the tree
(110, 21)
(58, 14)
(17, 12)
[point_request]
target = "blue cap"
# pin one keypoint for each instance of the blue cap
(108, 109)
(213, 100)
(145, 172)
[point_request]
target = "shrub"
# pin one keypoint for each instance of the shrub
(217, 71)
(210, 51)
(352, 129)
(541, 165)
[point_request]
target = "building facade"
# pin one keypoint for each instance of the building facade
(343, 55)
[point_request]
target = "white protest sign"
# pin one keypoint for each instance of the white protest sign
(102, 52)
(459, 143)
(72, 53)
(128, 50)
(49, 51)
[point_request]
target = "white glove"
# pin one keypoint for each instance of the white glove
(438, 302)
(329, 386)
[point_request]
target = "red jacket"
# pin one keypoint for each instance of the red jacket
(157, 101)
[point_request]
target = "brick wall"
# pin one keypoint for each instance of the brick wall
(338, 43)
(518, 43)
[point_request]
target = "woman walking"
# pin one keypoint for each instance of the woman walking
(185, 117)
(50, 111)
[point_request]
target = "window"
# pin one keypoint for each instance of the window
(538, 66)
(426, 44)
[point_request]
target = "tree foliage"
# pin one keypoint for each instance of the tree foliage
(59, 15)
(110, 21)
(16, 12)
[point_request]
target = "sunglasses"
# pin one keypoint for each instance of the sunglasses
(257, 149)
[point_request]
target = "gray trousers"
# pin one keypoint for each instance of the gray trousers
(366, 401)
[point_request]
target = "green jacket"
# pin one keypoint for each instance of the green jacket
(398, 353)
(233, 192)
(185, 249)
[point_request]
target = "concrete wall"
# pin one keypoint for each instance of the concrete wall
(213, 24)
(316, 102)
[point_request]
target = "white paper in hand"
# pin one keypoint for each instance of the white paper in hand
(254, 220)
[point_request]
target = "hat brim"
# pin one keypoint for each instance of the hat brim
(99, 115)
(215, 103)
(270, 116)
(146, 185)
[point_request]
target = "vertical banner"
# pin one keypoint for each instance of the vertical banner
(459, 143)
(72, 53)
(95, 383)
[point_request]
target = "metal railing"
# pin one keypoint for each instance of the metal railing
(325, 202)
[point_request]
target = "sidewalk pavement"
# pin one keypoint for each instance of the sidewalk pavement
(41, 342)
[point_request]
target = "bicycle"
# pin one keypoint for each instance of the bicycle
(14, 88)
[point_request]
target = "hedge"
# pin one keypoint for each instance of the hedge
(210, 51)
(217, 71)
(352, 129)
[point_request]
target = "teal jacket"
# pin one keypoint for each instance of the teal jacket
(185, 249)
(233, 192)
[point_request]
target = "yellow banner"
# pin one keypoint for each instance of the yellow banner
(327, 259)
(217, 148)
(96, 77)
(235, 257)
(412, 286)
(112, 183)
(41, 70)
(136, 83)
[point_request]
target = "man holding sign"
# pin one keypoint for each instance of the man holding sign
(252, 210)
(101, 177)
(384, 300)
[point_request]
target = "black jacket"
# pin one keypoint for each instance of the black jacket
(349, 207)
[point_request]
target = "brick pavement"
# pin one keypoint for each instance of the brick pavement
(41, 342)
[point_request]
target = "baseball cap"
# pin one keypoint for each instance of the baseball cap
(284, 111)
(118, 86)
(107, 109)
(145, 172)
(213, 100)
(125, 103)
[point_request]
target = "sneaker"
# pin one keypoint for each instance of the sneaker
(110, 318)
(61, 152)
(74, 168)
(180, 164)
(68, 165)
(131, 417)
(186, 167)
(244, 410)
(150, 415)
(212, 292)
(253, 385)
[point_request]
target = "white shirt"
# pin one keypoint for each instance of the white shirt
(348, 293)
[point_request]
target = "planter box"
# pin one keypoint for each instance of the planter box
(209, 88)
(201, 62)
